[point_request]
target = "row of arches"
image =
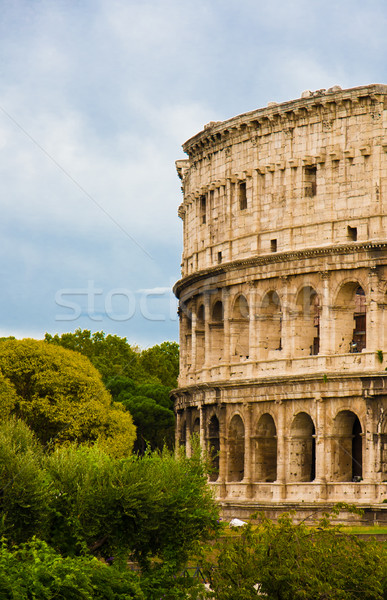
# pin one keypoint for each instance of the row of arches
(348, 314)
(346, 448)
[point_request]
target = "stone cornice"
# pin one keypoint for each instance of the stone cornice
(286, 113)
(275, 258)
(279, 380)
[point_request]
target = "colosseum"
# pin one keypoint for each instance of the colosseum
(283, 303)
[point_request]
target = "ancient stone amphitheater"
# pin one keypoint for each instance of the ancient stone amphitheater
(283, 302)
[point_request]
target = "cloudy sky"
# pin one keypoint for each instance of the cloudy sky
(96, 98)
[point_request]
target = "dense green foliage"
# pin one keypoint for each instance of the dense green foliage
(83, 502)
(151, 408)
(35, 570)
(288, 561)
(162, 361)
(61, 396)
(114, 356)
(140, 380)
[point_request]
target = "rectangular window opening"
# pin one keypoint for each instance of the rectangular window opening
(273, 245)
(352, 233)
(310, 181)
(203, 208)
(242, 195)
(219, 257)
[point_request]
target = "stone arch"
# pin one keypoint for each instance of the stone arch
(200, 335)
(217, 330)
(270, 324)
(347, 450)
(239, 328)
(307, 331)
(383, 449)
(302, 449)
(350, 318)
(266, 449)
(236, 449)
(213, 446)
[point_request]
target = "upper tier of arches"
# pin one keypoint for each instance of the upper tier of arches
(228, 326)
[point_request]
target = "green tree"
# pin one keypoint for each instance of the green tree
(155, 424)
(288, 561)
(61, 396)
(151, 408)
(155, 510)
(110, 354)
(140, 380)
(154, 507)
(162, 361)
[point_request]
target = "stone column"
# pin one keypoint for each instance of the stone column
(286, 330)
(182, 340)
(321, 446)
(223, 443)
(368, 449)
(247, 466)
(373, 329)
(202, 431)
(281, 445)
(207, 331)
(326, 318)
(193, 340)
(226, 325)
(252, 300)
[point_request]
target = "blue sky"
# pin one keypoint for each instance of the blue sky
(96, 98)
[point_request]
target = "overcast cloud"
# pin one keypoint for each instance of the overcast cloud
(96, 98)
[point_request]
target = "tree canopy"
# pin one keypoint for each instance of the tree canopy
(114, 356)
(61, 396)
(139, 379)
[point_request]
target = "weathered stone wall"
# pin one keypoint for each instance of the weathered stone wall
(283, 299)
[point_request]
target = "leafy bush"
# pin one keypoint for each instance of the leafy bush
(150, 507)
(34, 570)
(288, 561)
(25, 498)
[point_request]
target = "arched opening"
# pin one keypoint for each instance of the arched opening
(216, 327)
(266, 449)
(200, 336)
(302, 450)
(214, 447)
(307, 331)
(239, 329)
(350, 319)
(196, 428)
(347, 448)
(271, 324)
(359, 316)
(236, 449)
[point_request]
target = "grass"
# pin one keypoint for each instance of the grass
(366, 529)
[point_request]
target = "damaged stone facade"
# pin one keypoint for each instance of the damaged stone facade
(283, 301)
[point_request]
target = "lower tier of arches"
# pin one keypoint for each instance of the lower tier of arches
(299, 439)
